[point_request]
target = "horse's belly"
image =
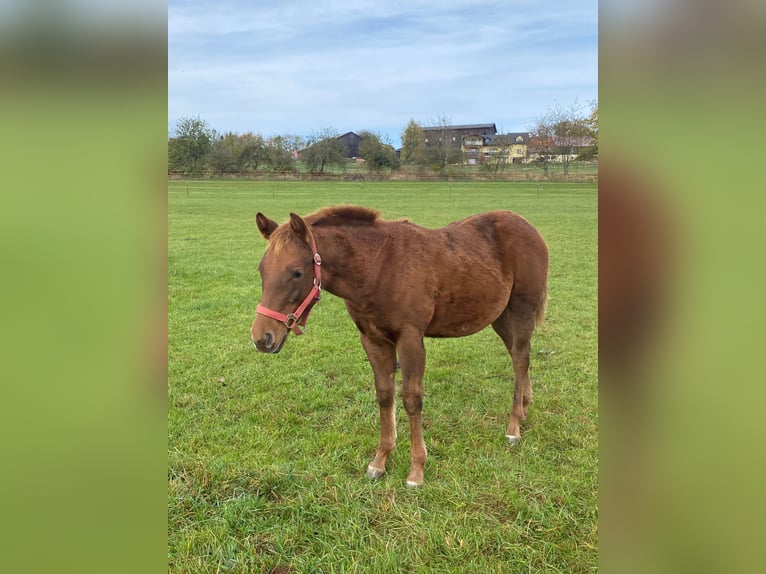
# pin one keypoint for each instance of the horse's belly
(454, 329)
(459, 317)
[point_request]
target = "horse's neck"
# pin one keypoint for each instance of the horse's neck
(346, 263)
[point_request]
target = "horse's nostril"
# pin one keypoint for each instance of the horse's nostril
(268, 339)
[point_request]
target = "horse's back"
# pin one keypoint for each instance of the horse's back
(483, 260)
(513, 241)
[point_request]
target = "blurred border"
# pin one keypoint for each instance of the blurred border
(83, 251)
(83, 254)
(680, 277)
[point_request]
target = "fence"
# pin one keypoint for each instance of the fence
(581, 172)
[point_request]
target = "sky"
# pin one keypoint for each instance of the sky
(303, 66)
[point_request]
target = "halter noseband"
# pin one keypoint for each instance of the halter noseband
(297, 319)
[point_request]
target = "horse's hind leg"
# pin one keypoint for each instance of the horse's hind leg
(382, 357)
(412, 355)
(515, 327)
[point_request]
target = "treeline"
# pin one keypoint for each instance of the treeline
(194, 148)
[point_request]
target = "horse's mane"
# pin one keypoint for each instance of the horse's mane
(337, 215)
(343, 215)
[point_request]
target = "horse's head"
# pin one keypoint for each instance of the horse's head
(291, 281)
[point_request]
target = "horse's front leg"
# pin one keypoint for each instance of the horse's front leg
(382, 357)
(412, 356)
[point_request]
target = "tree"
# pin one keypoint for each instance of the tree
(562, 132)
(280, 153)
(591, 123)
(252, 152)
(541, 146)
(324, 149)
(441, 149)
(413, 143)
(294, 143)
(224, 153)
(496, 163)
(378, 155)
(188, 149)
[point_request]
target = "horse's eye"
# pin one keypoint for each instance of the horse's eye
(297, 274)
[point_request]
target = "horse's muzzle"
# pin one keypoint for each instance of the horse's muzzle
(268, 343)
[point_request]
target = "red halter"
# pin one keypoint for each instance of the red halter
(297, 319)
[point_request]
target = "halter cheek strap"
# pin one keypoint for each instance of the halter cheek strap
(297, 319)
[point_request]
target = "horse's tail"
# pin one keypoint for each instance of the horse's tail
(541, 307)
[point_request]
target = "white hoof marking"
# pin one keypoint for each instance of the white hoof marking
(512, 439)
(374, 472)
(411, 484)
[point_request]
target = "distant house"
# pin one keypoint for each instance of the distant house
(559, 149)
(507, 148)
(435, 135)
(572, 147)
(351, 141)
(480, 142)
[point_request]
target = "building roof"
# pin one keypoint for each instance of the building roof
(462, 127)
(511, 137)
(501, 139)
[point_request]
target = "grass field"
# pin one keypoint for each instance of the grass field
(267, 454)
(578, 171)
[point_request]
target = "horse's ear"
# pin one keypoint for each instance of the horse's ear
(265, 225)
(299, 227)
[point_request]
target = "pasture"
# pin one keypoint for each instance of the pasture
(267, 454)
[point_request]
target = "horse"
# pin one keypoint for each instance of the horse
(400, 283)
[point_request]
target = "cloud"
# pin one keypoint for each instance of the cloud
(295, 67)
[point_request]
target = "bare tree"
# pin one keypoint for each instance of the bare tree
(497, 160)
(561, 133)
(592, 126)
(441, 145)
(540, 146)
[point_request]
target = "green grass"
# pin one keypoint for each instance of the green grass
(267, 454)
(578, 171)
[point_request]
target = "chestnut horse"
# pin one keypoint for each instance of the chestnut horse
(400, 283)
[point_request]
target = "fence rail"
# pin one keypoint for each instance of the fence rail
(585, 173)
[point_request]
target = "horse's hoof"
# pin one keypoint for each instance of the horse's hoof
(512, 440)
(413, 484)
(373, 473)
